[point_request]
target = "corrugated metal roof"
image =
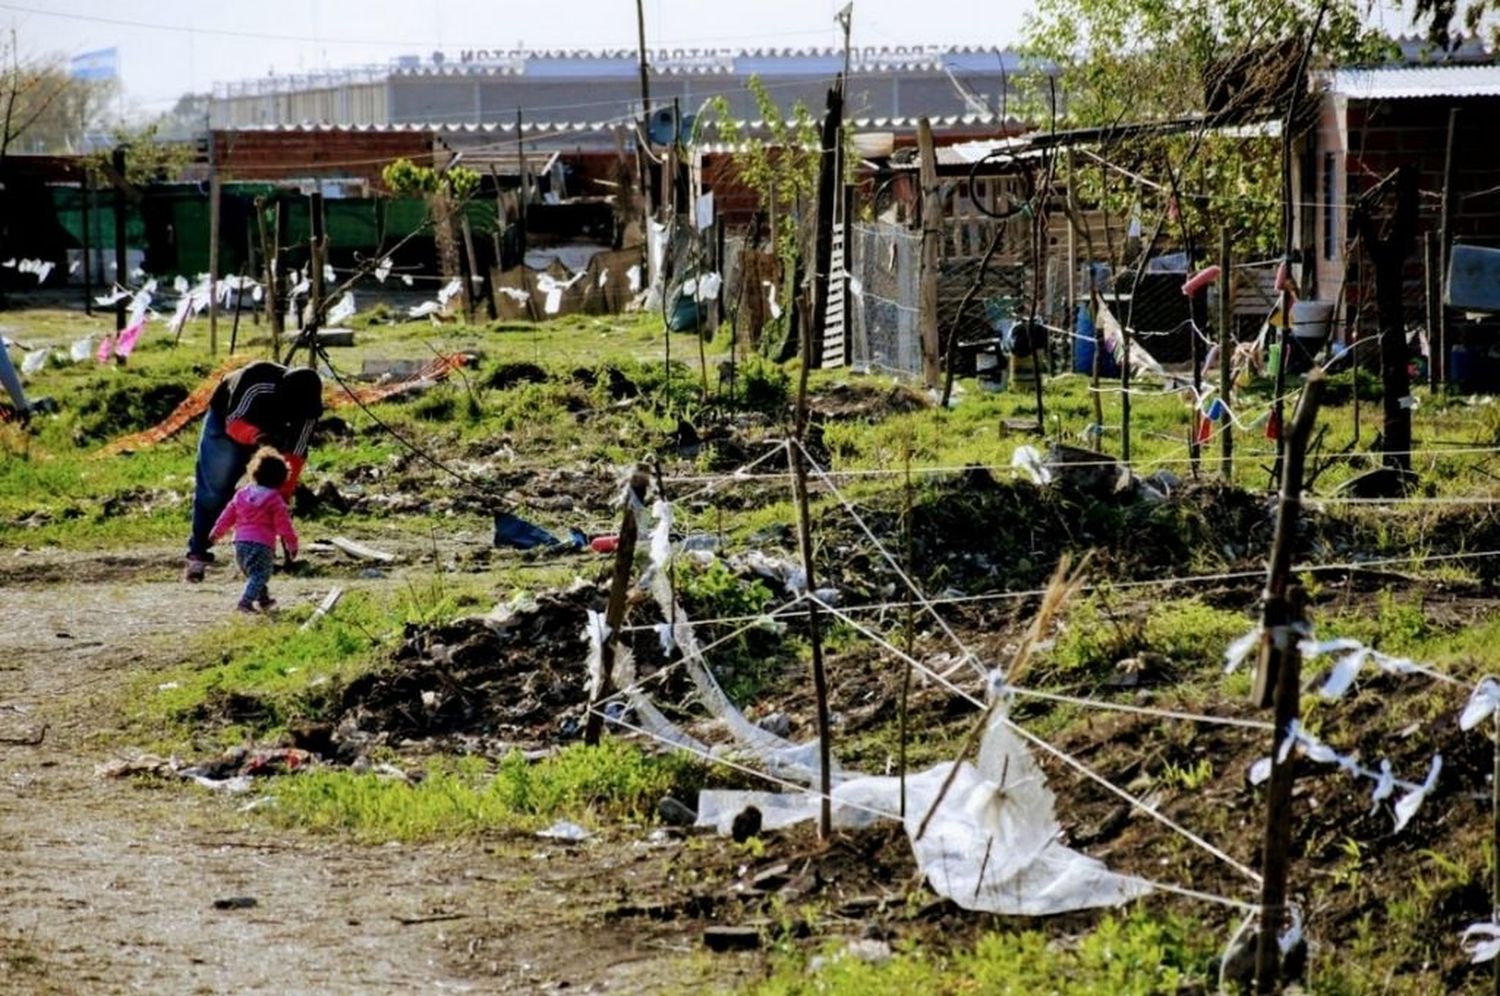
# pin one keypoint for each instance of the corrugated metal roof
(1416, 82)
(938, 121)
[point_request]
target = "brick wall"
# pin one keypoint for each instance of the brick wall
(1377, 138)
(276, 155)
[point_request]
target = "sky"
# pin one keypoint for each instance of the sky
(171, 47)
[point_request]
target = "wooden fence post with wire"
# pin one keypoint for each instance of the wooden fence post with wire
(1226, 352)
(614, 612)
(1278, 683)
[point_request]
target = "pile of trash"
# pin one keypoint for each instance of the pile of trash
(483, 684)
(231, 772)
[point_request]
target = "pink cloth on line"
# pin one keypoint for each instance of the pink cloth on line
(257, 515)
(106, 346)
(126, 343)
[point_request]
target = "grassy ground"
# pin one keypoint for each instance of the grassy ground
(547, 413)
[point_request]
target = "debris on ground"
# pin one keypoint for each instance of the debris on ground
(231, 772)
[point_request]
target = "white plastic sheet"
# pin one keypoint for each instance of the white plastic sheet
(993, 843)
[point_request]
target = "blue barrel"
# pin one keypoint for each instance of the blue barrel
(1464, 368)
(1085, 342)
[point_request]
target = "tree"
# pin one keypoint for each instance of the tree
(1478, 17)
(1223, 61)
(148, 159)
(34, 97)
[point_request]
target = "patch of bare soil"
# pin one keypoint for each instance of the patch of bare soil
(113, 886)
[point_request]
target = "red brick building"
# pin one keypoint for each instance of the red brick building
(1372, 121)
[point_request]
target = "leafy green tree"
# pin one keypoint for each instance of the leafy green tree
(781, 165)
(148, 158)
(1476, 17)
(1216, 61)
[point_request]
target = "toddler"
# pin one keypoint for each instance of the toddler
(258, 515)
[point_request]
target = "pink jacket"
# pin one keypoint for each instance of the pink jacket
(257, 515)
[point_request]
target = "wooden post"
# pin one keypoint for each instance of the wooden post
(932, 228)
(1388, 253)
(122, 276)
(250, 267)
(614, 612)
(474, 273)
(315, 264)
(277, 291)
(1195, 352)
(239, 297)
(267, 267)
(1125, 377)
(814, 626)
(1445, 239)
(87, 189)
(1038, 285)
(1279, 672)
(823, 244)
(1226, 352)
(1278, 393)
(1433, 283)
(213, 264)
(799, 466)
(465, 259)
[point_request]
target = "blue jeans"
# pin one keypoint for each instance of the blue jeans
(256, 560)
(221, 463)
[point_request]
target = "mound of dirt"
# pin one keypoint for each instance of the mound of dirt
(515, 677)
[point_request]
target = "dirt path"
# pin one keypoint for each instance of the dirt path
(110, 886)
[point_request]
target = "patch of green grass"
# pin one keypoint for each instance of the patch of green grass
(248, 678)
(1098, 633)
(1139, 954)
(454, 797)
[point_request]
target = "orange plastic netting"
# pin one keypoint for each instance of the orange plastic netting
(334, 396)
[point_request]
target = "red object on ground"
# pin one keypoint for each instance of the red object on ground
(604, 544)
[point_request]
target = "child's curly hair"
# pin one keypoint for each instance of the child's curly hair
(268, 469)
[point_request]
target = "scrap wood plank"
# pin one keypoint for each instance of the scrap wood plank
(324, 607)
(361, 552)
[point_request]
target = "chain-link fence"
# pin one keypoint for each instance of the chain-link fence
(885, 266)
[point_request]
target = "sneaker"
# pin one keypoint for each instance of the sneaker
(245, 608)
(194, 569)
(267, 604)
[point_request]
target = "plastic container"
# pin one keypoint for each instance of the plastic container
(1474, 279)
(1084, 344)
(990, 373)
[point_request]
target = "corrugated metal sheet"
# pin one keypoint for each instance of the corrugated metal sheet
(938, 121)
(1416, 82)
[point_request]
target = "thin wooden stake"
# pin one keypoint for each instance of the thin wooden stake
(213, 264)
(932, 228)
(614, 612)
(1445, 240)
(909, 627)
(87, 189)
(1278, 677)
(1432, 282)
(1226, 351)
(799, 483)
(122, 276)
(239, 299)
